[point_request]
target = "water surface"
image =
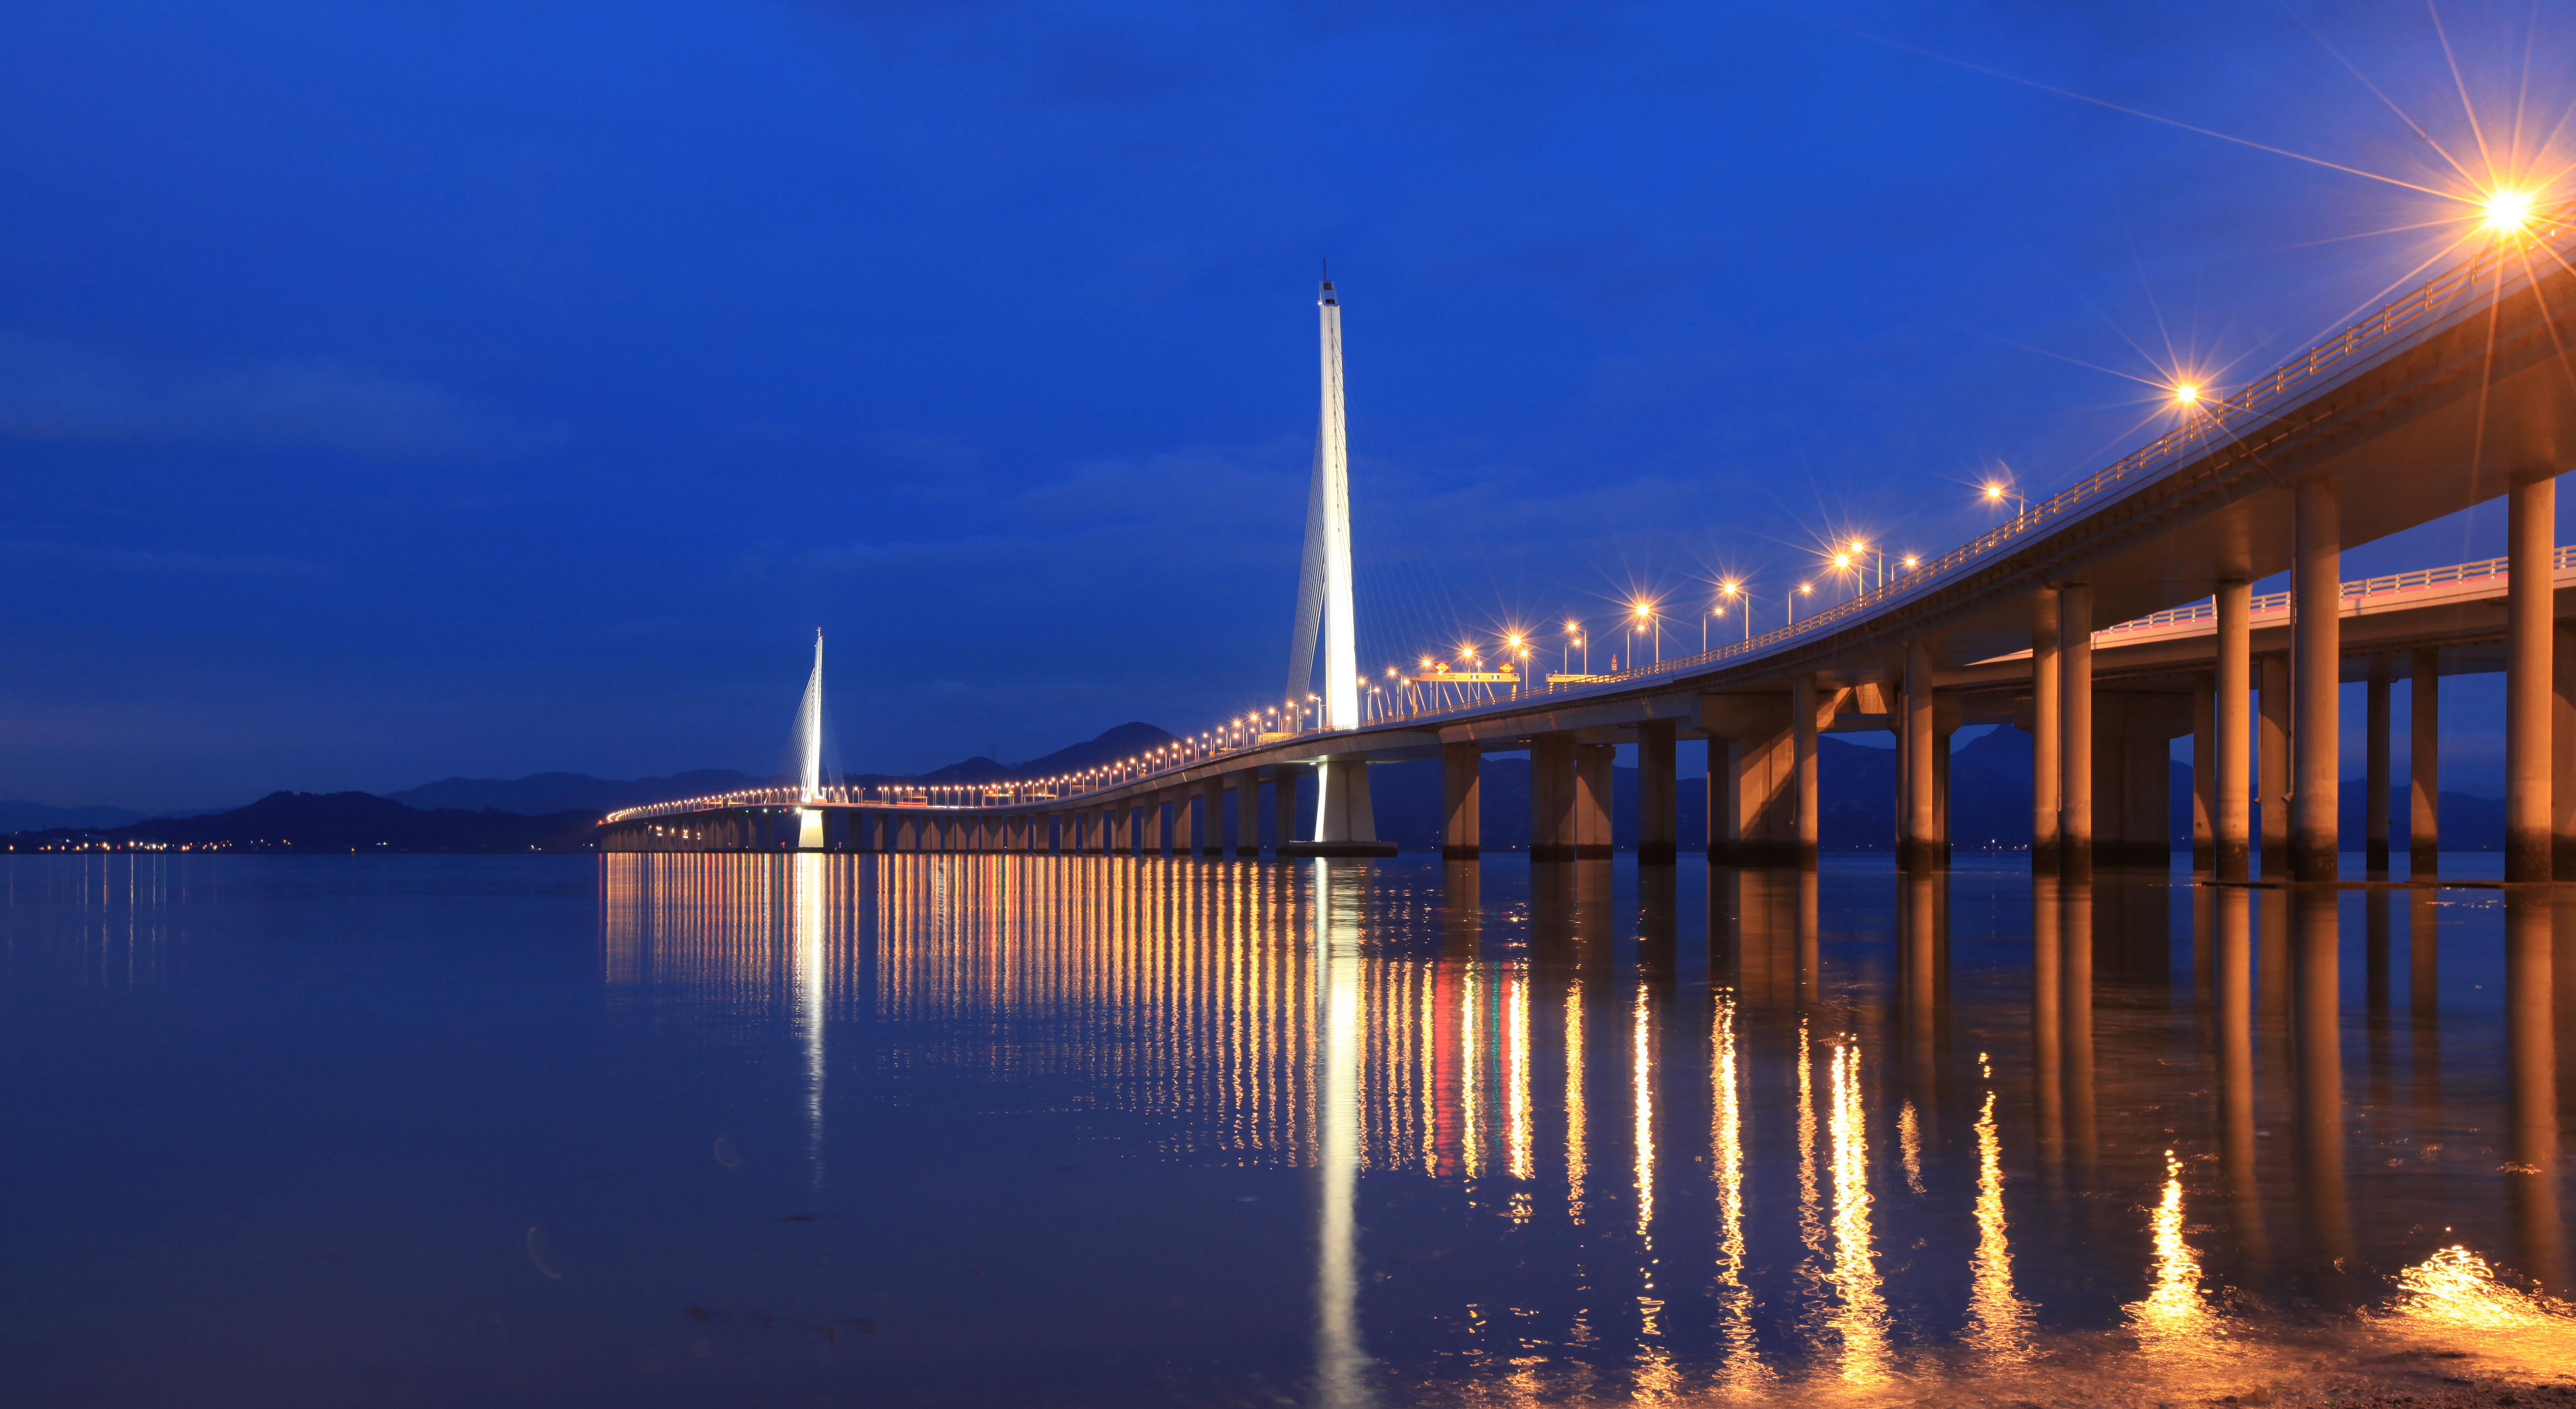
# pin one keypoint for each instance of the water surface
(740, 1129)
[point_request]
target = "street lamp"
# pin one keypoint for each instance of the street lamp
(1804, 590)
(1647, 621)
(1737, 591)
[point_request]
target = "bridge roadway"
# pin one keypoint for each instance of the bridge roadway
(2455, 394)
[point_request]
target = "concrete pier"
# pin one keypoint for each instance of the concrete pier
(2530, 636)
(1552, 832)
(2424, 764)
(1462, 817)
(2316, 676)
(1658, 786)
(2232, 727)
(2204, 774)
(2273, 765)
(1247, 811)
(2374, 772)
(2047, 733)
(1346, 824)
(1211, 812)
(1918, 845)
(2075, 731)
(1283, 807)
(1802, 725)
(1593, 776)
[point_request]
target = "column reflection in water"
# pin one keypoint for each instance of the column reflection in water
(1740, 1365)
(1231, 1020)
(2047, 1024)
(2378, 1025)
(1341, 1366)
(2232, 985)
(1919, 969)
(2076, 1011)
(1655, 1374)
(2319, 1022)
(2174, 1319)
(1859, 1319)
(2423, 999)
(1576, 1117)
(1999, 1319)
(810, 905)
(2531, 1173)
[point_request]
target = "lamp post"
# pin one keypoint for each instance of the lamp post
(1805, 589)
(1736, 590)
(2001, 493)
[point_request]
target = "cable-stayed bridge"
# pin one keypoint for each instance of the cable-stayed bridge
(2108, 621)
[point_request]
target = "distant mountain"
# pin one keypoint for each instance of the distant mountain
(28, 816)
(1125, 741)
(340, 822)
(540, 793)
(541, 812)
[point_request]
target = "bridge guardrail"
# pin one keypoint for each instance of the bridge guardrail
(2217, 416)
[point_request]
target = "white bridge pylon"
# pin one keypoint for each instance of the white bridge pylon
(1324, 606)
(809, 747)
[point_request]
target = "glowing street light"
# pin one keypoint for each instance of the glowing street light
(2508, 212)
(2187, 394)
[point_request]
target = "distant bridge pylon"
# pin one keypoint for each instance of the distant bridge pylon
(2459, 392)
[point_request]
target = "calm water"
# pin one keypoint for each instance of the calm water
(983, 1131)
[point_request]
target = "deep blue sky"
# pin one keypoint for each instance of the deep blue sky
(404, 390)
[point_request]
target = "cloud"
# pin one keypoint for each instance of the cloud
(52, 392)
(148, 562)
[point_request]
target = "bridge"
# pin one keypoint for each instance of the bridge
(2109, 620)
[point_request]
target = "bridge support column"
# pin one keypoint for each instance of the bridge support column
(1462, 817)
(2075, 731)
(1247, 812)
(2232, 727)
(2274, 766)
(1283, 807)
(2424, 765)
(1918, 843)
(1552, 828)
(1177, 840)
(2562, 753)
(2047, 733)
(2530, 632)
(2204, 770)
(2316, 643)
(1593, 778)
(1658, 808)
(1345, 823)
(1752, 780)
(1211, 811)
(2374, 773)
(1802, 729)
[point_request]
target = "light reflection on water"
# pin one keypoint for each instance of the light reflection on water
(1869, 1132)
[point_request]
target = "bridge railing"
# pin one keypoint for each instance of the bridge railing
(2206, 609)
(1026, 794)
(2213, 416)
